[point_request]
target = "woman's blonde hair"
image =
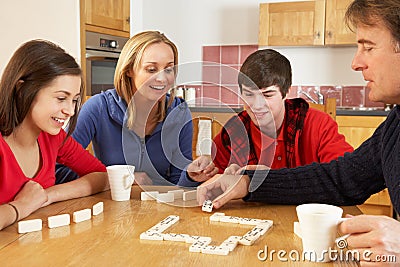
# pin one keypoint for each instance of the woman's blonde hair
(129, 59)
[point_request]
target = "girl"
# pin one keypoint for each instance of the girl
(40, 90)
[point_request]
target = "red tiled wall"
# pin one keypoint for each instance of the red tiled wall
(221, 65)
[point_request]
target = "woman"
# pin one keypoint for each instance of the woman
(139, 122)
(40, 90)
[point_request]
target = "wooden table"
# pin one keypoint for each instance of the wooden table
(112, 238)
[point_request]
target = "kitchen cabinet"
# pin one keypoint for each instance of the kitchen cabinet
(305, 23)
(357, 129)
(107, 16)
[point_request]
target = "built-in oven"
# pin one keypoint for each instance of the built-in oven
(102, 53)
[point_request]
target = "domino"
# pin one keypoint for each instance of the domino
(189, 195)
(151, 236)
(215, 250)
(98, 208)
(207, 206)
(82, 215)
(29, 226)
(234, 238)
(175, 237)
(170, 220)
(199, 244)
(229, 219)
(221, 251)
(178, 194)
(231, 242)
(249, 221)
(164, 224)
(165, 197)
(248, 240)
(148, 195)
(267, 222)
(229, 245)
(58, 220)
(254, 233)
(264, 227)
(193, 238)
(158, 228)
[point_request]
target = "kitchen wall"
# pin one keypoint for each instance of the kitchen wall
(22, 20)
(194, 24)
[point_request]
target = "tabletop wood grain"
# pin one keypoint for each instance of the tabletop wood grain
(112, 238)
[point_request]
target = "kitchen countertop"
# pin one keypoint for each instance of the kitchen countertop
(217, 109)
(358, 112)
(339, 111)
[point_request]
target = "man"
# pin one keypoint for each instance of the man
(274, 131)
(373, 166)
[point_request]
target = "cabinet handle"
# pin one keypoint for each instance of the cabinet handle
(329, 34)
(128, 19)
(317, 35)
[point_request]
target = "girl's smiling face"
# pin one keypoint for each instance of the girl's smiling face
(54, 104)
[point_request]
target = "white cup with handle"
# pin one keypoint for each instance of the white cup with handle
(121, 178)
(318, 228)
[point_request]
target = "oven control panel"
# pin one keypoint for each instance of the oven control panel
(108, 43)
(104, 42)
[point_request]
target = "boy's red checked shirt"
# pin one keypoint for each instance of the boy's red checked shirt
(307, 135)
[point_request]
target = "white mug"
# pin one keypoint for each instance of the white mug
(318, 228)
(121, 178)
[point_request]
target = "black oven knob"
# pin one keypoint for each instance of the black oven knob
(113, 44)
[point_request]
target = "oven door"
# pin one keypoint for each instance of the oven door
(100, 69)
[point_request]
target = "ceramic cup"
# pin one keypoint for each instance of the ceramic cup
(318, 228)
(121, 178)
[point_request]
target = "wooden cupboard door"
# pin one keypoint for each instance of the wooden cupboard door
(378, 204)
(337, 32)
(111, 14)
(292, 23)
(357, 129)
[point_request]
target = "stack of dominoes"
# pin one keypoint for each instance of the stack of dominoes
(170, 196)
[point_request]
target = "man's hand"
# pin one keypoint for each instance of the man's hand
(223, 188)
(202, 169)
(377, 234)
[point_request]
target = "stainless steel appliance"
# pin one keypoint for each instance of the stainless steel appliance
(102, 53)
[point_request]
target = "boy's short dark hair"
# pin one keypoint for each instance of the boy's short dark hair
(265, 68)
